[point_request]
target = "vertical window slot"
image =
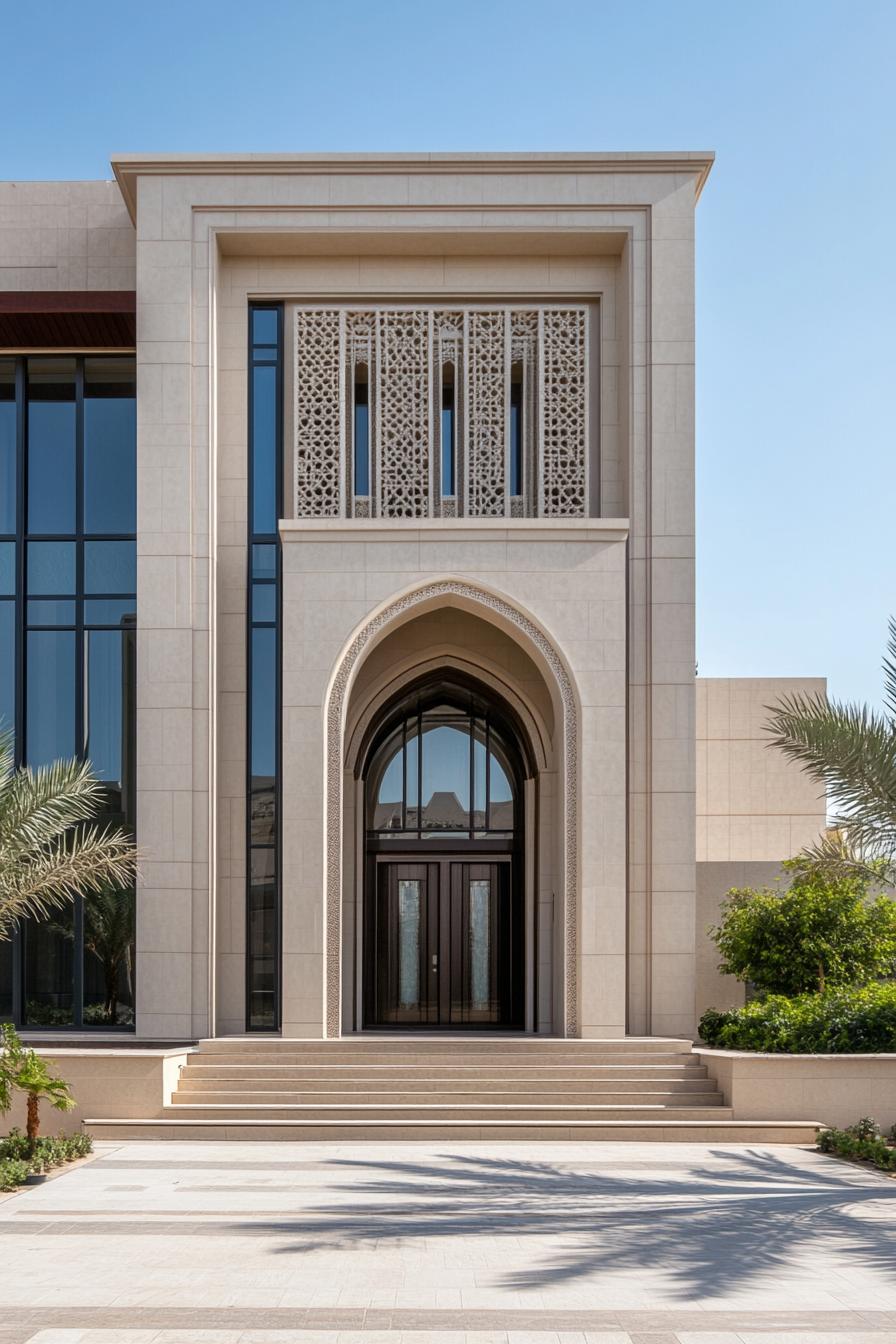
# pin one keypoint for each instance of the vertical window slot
(516, 429)
(448, 486)
(362, 431)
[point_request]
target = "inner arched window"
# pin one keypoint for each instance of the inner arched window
(442, 771)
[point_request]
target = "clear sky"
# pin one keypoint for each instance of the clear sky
(796, 449)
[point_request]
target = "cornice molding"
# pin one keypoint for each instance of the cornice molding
(129, 167)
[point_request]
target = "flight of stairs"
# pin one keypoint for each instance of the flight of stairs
(447, 1088)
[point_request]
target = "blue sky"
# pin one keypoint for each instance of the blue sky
(796, 448)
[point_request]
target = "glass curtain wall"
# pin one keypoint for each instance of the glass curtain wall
(263, 668)
(68, 588)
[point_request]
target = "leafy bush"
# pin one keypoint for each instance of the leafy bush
(13, 1173)
(861, 1142)
(841, 1021)
(18, 1159)
(822, 932)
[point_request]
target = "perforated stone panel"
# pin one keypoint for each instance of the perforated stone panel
(405, 351)
(320, 430)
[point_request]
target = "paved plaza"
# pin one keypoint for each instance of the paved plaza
(450, 1244)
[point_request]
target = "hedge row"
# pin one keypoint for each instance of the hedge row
(859, 1020)
(18, 1160)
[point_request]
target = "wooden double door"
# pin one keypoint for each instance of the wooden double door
(443, 943)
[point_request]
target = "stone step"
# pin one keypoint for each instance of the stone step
(428, 1059)
(491, 1045)
(191, 1084)
(437, 1099)
(484, 1111)
(387, 1074)
(663, 1129)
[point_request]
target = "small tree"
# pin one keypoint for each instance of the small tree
(23, 1070)
(823, 931)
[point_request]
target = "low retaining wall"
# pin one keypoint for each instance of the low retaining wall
(835, 1089)
(106, 1084)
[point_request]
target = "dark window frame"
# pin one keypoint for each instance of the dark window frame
(23, 626)
(264, 354)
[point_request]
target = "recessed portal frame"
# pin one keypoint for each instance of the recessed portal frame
(342, 854)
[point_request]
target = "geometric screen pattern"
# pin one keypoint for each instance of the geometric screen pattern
(403, 362)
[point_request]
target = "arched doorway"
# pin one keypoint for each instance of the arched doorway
(444, 938)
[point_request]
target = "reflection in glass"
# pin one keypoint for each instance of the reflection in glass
(105, 701)
(109, 922)
(51, 567)
(408, 943)
(479, 944)
(264, 562)
(51, 611)
(362, 437)
(7, 664)
(262, 817)
(264, 602)
(7, 445)
(49, 971)
(110, 566)
(110, 446)
(6, 954)
(448, 486)
(50, 696)
(516, 431)
(262, 938)
(264, 448)
(110, 611)
(264, 706)
(446, 779)
(7, 569)
(436, 799)
(264, 326)
(51, 445)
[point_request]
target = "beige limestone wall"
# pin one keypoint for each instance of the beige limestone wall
(65, 236)
(753, 803)
(836, 1090)
(755, 807)
(566, 580)
(633, 216)
(106, 1084)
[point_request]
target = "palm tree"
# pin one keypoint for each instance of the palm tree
(851, 750)
(48, 852)
(25, 1071)
(109, 935)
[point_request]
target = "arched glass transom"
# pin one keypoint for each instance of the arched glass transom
(442, 770)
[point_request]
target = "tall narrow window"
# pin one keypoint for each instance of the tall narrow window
(449, 474)
(362, 432)
(68, 489)
(516, 430)
(263, 655)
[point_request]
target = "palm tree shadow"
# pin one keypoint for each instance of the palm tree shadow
(710, 1234)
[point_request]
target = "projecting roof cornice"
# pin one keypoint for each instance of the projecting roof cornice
(128, 167)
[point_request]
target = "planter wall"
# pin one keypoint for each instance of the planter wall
(834, 1089)
(106, 1084)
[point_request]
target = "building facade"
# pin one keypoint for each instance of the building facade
(347, 525)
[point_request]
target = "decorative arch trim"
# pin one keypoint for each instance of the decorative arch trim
(336, 703)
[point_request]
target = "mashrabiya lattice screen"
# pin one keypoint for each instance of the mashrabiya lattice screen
(406, 356)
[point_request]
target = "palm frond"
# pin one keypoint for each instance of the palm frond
(890, 672)
(851, 751)
(39, 805)
(83, 862)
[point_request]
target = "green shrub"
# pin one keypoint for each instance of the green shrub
(861, 1142)
(16, 1153)
(12, 1173)
(825, 930)
(859, 1020)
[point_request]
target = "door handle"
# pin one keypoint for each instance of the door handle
(435, 962)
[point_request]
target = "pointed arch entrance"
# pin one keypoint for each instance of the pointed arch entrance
(443, 768)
